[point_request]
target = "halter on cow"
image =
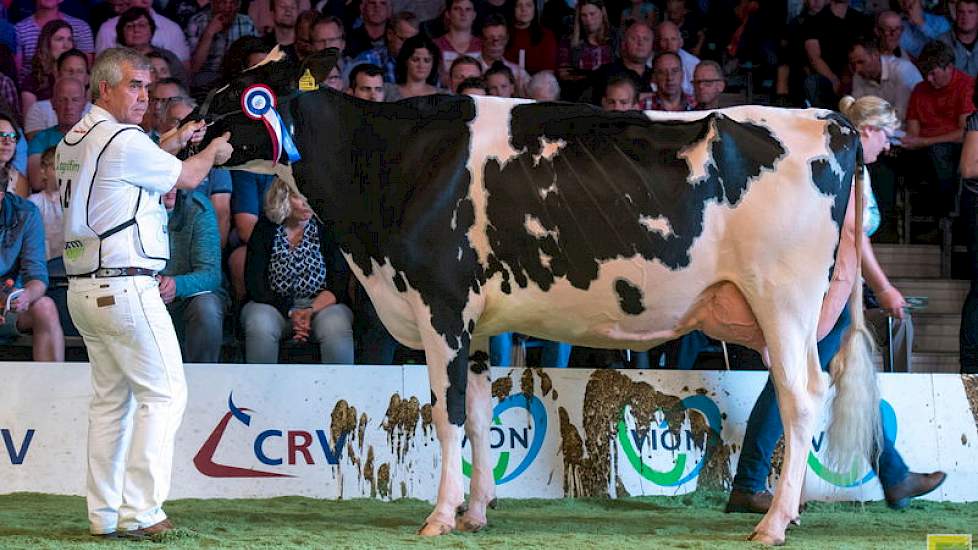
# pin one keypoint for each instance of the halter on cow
(464, 217)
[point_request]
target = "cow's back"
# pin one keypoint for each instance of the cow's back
(586, 220)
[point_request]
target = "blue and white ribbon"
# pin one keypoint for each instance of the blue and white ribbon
(258, 103)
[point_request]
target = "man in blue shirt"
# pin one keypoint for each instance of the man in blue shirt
(22, 259)
(919, 26)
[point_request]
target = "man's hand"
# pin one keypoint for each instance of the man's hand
(892, 302)
(168, 289)
(218, 23)
(221, 148)
(913, 142)
(20, 303)
(301, 320)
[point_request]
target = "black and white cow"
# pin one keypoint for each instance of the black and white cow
(467, 216)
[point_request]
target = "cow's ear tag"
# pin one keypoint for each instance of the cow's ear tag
(307, 82)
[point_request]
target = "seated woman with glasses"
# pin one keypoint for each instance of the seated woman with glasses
(135, 29)
(297, 282)
(9, 134)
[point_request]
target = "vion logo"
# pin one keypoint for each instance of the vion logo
(666, 457)
(514, 439)
(272, 447)
(16, 452)
(860, 472)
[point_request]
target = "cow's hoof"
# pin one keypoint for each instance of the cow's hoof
(765, 539)
(795, 521)
(492, 504)
(467, 525)
(435, 529)
(462, 508)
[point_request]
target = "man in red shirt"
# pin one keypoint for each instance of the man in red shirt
(936, 117)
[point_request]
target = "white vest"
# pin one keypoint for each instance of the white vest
(102, 229)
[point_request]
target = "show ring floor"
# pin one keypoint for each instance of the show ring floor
(690, 521)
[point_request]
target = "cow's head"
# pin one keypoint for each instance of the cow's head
(241, 105)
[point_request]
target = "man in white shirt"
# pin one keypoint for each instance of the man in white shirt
(885, 76)
(168, 34)
(112, 179)
(668, 39)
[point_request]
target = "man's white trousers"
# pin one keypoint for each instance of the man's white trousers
(139, 395)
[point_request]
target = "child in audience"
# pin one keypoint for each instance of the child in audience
(48, 202)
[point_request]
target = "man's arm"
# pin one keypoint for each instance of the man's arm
(33, 264)
(814, 51)
(195, 168)
(34, 170)
(913, 139)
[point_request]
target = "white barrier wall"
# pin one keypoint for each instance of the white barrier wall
(330, 432)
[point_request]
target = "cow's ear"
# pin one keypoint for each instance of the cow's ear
(320, 63)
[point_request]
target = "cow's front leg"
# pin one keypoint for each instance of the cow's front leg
(447, 374)
(478, 409)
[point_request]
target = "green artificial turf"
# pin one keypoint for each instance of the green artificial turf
(691, 521)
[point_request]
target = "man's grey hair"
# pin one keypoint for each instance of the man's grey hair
(108, 67)
(544, 85)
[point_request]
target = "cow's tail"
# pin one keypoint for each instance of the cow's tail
(855, 431)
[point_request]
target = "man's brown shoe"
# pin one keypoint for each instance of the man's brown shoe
(742, 502)
(152, 532)
(915, 485)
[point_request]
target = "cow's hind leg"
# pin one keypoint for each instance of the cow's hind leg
(478, 409)
(800, 389)
(447, 375)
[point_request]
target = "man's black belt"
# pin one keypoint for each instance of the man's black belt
(117, 272)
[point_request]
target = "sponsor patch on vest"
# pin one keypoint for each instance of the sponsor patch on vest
(73, 250)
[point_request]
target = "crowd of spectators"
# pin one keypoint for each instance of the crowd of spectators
(671, 55)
